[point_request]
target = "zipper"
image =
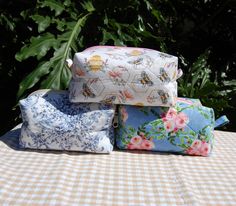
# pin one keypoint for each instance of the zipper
(115, 120)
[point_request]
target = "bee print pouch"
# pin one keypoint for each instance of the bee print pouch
(124, 75)
(186, 128)
(51, 122)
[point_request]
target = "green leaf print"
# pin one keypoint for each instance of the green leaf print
(182, 140)
(204, 113)
(192, 133)
(183, 146)
(131, 129)
(204, 135)
(144, 110)
(157, 123)
(206, 116)
(178, 108)
(160, 137)
(182, 109)
(172, 140)
(156, 114)
(158, 134)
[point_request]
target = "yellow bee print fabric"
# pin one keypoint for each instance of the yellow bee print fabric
(124, 75)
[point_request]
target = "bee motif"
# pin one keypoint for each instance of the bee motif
(87, 91)
(164, 76)
(94, 80)
(135, 52)
(109, 100)
(124, 95)
(174, 75)
(115, 74)
(145, 80)
(95, 63)
(80, 72)
(119, 82)
(149, 61)
(164, 96)
(116, 77)
(136, 62)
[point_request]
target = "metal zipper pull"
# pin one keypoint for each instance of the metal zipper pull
(115, 120)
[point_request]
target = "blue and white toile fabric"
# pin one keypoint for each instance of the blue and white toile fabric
(51, 122)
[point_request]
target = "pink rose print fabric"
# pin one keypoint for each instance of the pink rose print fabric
(199, 148)
(173, 121)
(186, 128)
(138, 142)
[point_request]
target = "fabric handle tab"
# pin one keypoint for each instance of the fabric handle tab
(223, 120)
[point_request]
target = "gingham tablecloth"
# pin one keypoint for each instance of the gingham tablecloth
(30, 177)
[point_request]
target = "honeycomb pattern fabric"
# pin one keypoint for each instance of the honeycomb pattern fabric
(124, 75)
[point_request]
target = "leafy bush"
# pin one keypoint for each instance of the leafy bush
(195, 31)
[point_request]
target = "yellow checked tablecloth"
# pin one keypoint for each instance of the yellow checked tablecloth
(30, 177)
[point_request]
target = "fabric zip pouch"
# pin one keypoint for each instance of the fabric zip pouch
(124, 75)
(51, 121)
(186, 128)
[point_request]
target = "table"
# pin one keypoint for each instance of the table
(31, 177)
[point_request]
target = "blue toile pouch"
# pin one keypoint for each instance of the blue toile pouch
(52, 122)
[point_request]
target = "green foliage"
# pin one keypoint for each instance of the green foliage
(7, 21)
(38, 47)
(197, 83)
(43, 34)
(53, 72)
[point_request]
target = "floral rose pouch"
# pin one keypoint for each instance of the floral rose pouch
(186, 128)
